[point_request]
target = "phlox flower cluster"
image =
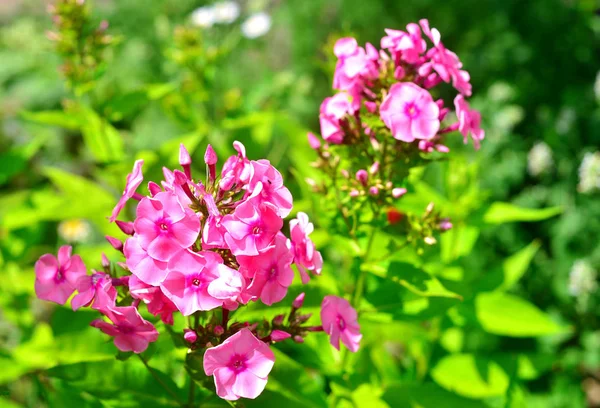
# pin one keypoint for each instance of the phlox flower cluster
(196, 247)
(387, 110)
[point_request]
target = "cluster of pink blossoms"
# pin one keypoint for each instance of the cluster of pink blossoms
(395, 83)
(196, 247)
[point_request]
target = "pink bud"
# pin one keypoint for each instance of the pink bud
(354, 193)
(180, 177)
(398, 192)
(373, 191)
(219, 330)
(278, 320)
(399, 73)
(154, 188)
(298, 339)
(297, 303)
(374, 168)
(445, 224)
(279, 335)
(313, 141)
(210, 158)
(185, 161)
(116, 244)
(105, 261)
(345, 173)
(126, 227)
(362, 176)
(440, 103)
(371, 106)
(443, 113)
(190, 335)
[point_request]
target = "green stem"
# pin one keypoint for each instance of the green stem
(360, 283)
(191, 393)
(159, 381)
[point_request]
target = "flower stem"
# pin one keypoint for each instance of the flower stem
(191, 393)
(360, 283)
(159, 381)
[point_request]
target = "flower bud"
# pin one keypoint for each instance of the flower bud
(185, 161)
(362, 176)
(210, 158)
(373, 191)
(105, 261)
(398, 192)
(345, 173)
(116, 244)
(354, 193)
(278, 320)
(313, 141)
(297, 303)
(279, 335)
(218, 330)
(298, 339)
(126, 227)
(430, 240)
(399, 73)
(154, 188)
(371, 106)
(445, 224)
(190, 335)
(374, 168)
(304, 318)
(394, 216)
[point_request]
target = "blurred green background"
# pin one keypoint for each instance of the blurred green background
(161, 79)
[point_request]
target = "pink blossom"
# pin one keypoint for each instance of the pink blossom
(430, 145)
(306, 257)
(251, 227)
(156, 301)
(333, 115)
(469, 121)
(164, 226)
(56, 279)
(406, 46)
(270, 271)
(410, 112)
(96, 290)
(237, 169)
(142, 265)
(355, 66)
(267, 184)
(134, 179)
(313, 141)
(444, 62)
(339, 321)
(279, 335)
(130, 331)
(200, 281)
(240, 365)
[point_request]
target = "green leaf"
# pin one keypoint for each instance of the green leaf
(508, 315)
(53, 118)
(470, 376)
(102, 140)
(500, 212)
(515, 266)
(427, 395)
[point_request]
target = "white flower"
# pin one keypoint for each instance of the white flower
(204, 17)
(539, 159)
(589, 173)
(256, 25)
(226, 12)
(74, 230)
(582, 279)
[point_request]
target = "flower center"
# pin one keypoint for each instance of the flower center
(256, 230)
(411, 110)
(95, 278)
(163, 226)
(237, 363)
(59, 277)
(196, 282)
(272, 273)
(341, 323)
(125, 328)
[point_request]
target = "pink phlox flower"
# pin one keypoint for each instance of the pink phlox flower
(429, 146)
(306, 257)
(156, 301)
(270, 271)
(410, 112)
(356, 66)
(95, 290)
(444, 62)
(200, 281)
(266, 184)
(333, 114)
(236, 170)
(251, 227)
(407, 46)
(469, 121)
(142, 265)
(240, 366)
(164, 226)
(56, 278)
(134, 179)
(130, 331)
(339, 321)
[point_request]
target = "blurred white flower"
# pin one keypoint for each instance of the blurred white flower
(74, 230)
(565, 120)
(226, 12)
(256, 25)
(597, 86)
(539, 159)
(589, 173)
(582, 279)
(204, 17)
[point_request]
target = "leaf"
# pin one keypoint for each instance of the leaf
(53, 118)
(500, 212)
(102, 140)
(368, 396)
(515, 266)
(508, 315)
(471, 376)
(427, 395)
